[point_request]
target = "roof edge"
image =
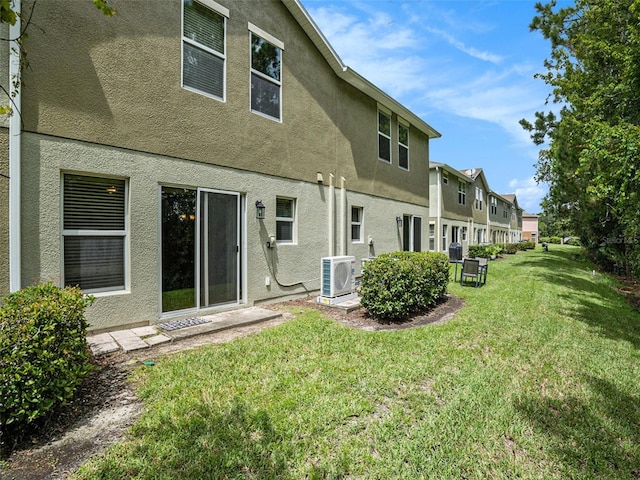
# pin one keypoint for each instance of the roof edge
(348, 74)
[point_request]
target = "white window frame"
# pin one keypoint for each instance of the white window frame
(291, 220)
(383, 135)
(406, 126)
(462, 192)
(409, 231)
(267, 37)
(445, 178)
(359, 224)
(224, 13)
(494, 205)
(99, 233)
(479, 194)
(432, 237)
(464, 234)
(445, 231)
(455, 233)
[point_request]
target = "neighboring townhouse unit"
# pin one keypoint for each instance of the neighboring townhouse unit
(150, 142)
(499, 218)
(480, 211)
(515, 224)
(465, 210)
(530, 227)
(454, 211)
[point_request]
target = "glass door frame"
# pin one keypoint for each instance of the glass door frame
(241, 284)
(239, 253)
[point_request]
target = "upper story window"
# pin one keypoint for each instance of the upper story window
(384, 137)
(285, 218)
(266, 74)
(356, 224)
(203, 47)
(462, 192)
(403, 146)
(494, 206)
(445, 178)
(479, 194)
(94, 233)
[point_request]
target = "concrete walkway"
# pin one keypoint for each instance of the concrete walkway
(145, 337)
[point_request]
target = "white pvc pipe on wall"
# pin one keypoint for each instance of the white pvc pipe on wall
(344, 217)
(332, 214)
(15, 130)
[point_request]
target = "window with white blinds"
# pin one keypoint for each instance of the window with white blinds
(203, 49)
(94, 232)
(285, 217)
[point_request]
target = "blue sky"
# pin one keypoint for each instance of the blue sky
(465, 67)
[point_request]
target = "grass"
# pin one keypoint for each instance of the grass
(536, 377)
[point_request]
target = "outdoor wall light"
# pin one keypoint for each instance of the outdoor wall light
(399, 222)
(260, 209)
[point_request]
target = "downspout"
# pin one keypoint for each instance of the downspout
(438, 231)
(332, 214)
(15, 131)
(343, 221)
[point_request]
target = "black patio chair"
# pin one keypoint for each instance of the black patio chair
(471, 269)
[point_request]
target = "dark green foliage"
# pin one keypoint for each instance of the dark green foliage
(522, 246)
(510, 248)
(43, 351)
(574, 241)
(479, 251)
(592, 161)
(395, 285)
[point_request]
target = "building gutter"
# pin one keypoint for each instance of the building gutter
(343, 222)
(438, 232)
(15, 132)
(332, 216)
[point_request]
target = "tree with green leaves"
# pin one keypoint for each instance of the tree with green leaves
(592, 155)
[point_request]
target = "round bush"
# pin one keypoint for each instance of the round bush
(395, 285)
(43, 351)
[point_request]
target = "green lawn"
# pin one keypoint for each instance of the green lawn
(536, 377)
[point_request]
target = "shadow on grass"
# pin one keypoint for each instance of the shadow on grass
(594, 437)
(595, 304)
(206, 443)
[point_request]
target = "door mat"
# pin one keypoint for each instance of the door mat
(183, 323)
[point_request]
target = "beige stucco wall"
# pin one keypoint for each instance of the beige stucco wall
(4, 212)
(116, 81)
(46, 157)
(451, 208)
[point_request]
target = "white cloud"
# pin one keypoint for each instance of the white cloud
(392, 56)
(473, 52)
(529, 193)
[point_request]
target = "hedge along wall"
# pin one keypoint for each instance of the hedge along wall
(43, 353)
(396, 285)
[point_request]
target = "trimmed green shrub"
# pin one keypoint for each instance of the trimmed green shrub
(479, 251)
(575, 241)
(522, 246)
(556, 240)
(43, 351)
(396, 285)
(510, 248)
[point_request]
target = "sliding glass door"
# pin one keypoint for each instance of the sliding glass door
(200, 248)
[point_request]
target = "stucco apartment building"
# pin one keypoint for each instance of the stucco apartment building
(149, 142)
(463, 209)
